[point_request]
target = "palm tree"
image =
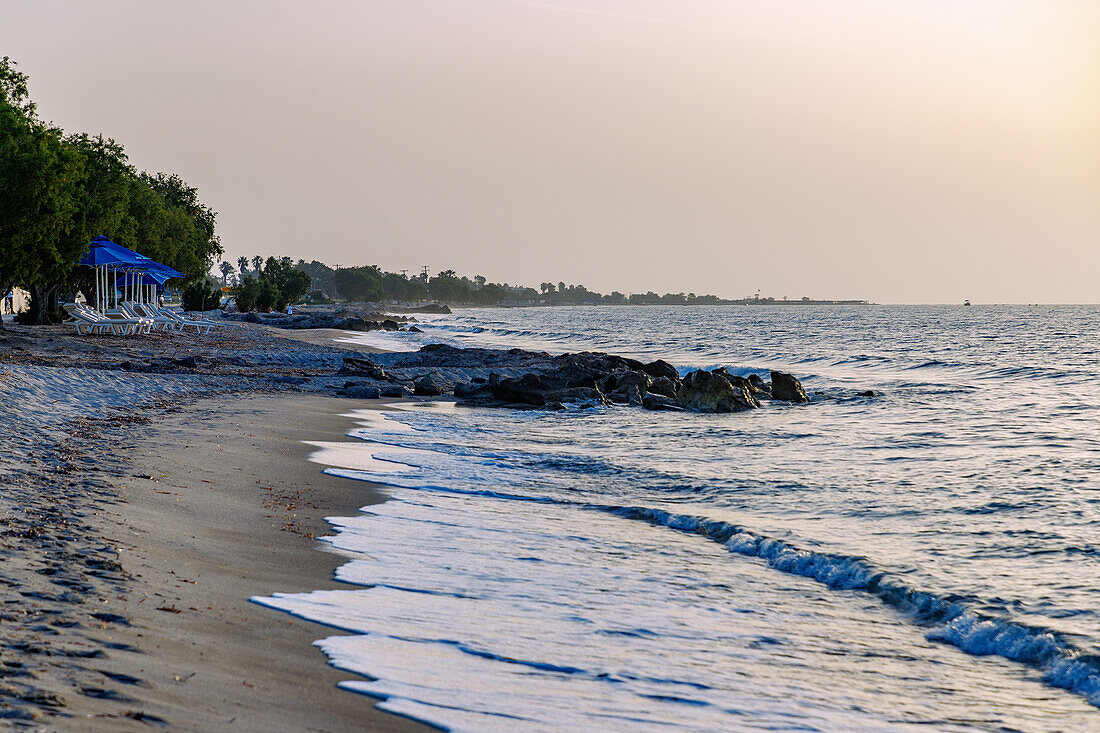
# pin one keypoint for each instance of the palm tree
(257, 264)
(242, 265)
(227, 270)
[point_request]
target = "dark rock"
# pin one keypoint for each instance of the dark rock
(363, 392)
(354, 323)
(709, 392)
(127, 365)
(251, 317)
(427, 387)
(474, 391)
(389, 325)
(787, 388)
(661, 368)
(356, 366)
(395, 390)
(591, 396)
(413, 329)
(664, 386)
(759, 386)
(430, 308)
(527, 389)
(867, 393)
(653, 401)
(629, 395)
(188, 362)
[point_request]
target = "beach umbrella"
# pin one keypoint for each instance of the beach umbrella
(103, 254)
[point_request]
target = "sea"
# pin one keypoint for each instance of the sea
(924, 559)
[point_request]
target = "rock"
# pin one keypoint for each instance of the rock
(660, 369)
(127, 365)
(660, 402)
(356, 366)
(787, 388)
(664, 386)
(630, 395)
(427, 387)
(414, 329)
(624, 379)
(389, 325)
(709, 392)
(354, 323)
(867, 393)
(431, 308)
(362, 392)
(590, 396)
(188, 362)
(395, 390)
(474, 391)
(759, 385)
(527, 390)
(251, 317)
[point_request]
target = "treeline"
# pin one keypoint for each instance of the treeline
(58, 191)
(370, 283)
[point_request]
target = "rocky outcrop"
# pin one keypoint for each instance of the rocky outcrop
(426, 386)
(359, 367)
(787, 388)
(535, 379)
(714, 392)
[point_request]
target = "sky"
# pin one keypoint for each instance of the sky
(902, 151)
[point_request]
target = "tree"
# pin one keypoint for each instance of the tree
(200, 296)
(257, 265)
(242, 267)
(360, 284)
(227, 270)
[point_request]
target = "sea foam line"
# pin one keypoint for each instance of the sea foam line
(1063, 665)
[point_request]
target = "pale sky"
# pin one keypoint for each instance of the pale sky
(895, 150)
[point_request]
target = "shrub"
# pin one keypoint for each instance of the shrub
(200, 296)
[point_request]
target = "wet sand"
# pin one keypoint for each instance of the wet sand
(220, 504)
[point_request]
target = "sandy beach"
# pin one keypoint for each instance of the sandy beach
(142, 512)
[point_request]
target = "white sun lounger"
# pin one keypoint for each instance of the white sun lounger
(182, 318)
(167, 321)
(88, 321)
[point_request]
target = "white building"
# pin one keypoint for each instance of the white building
(15, 301)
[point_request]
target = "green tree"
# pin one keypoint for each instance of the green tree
(359, 284)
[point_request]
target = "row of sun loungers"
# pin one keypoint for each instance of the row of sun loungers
(133, 318)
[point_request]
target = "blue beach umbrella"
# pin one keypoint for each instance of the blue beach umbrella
(103, 254)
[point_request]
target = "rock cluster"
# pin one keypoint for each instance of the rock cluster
(535, 379)
(345, 317)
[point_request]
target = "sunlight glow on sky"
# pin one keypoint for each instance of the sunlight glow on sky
(900, 151)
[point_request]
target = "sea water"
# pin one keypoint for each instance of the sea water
(927, 558)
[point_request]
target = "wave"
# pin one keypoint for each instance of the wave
(1062, 664)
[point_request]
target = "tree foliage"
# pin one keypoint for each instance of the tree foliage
(277, 285)
(57, 192)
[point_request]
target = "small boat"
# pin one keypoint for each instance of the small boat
(966, 302)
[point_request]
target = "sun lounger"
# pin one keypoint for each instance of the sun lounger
(88, 321)
(167, 321)
(141, 325)
(183, 318)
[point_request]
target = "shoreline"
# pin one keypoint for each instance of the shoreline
(221, 504)
(153, 486)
